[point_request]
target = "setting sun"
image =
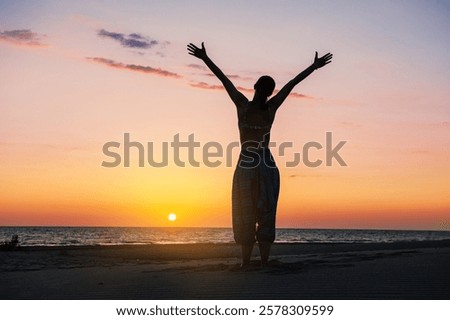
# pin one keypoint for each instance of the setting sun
(172, 217)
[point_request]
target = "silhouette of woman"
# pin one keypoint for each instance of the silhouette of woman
(256, 180)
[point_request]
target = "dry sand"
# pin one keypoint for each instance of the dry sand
(407, 270)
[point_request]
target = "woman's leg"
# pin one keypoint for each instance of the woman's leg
(243, 210)
(264, 250)
(246, 254)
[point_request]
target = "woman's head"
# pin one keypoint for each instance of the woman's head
(265, 85)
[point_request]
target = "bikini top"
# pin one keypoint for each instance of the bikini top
(243, 121)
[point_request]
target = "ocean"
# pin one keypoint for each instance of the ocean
(94, 236)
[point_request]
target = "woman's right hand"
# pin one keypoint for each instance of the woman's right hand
(320, 62)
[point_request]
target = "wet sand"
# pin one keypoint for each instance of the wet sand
(404, 270)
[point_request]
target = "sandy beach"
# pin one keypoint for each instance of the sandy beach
(403, 270)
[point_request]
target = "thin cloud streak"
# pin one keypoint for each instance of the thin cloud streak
(196, 66)
(209, 74)
(22, 37)
(298, 95)
(249, 90)
(231, 76)
(133, 67)
(349, 124)
(207, 86)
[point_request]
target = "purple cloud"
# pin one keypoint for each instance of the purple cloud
(22, 37)
(132, 40)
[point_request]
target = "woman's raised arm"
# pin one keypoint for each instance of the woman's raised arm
(279, 98)
(237, 97)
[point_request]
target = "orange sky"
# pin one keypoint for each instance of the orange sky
(77, 76)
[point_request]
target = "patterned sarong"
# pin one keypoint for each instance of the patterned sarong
(256, 185)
